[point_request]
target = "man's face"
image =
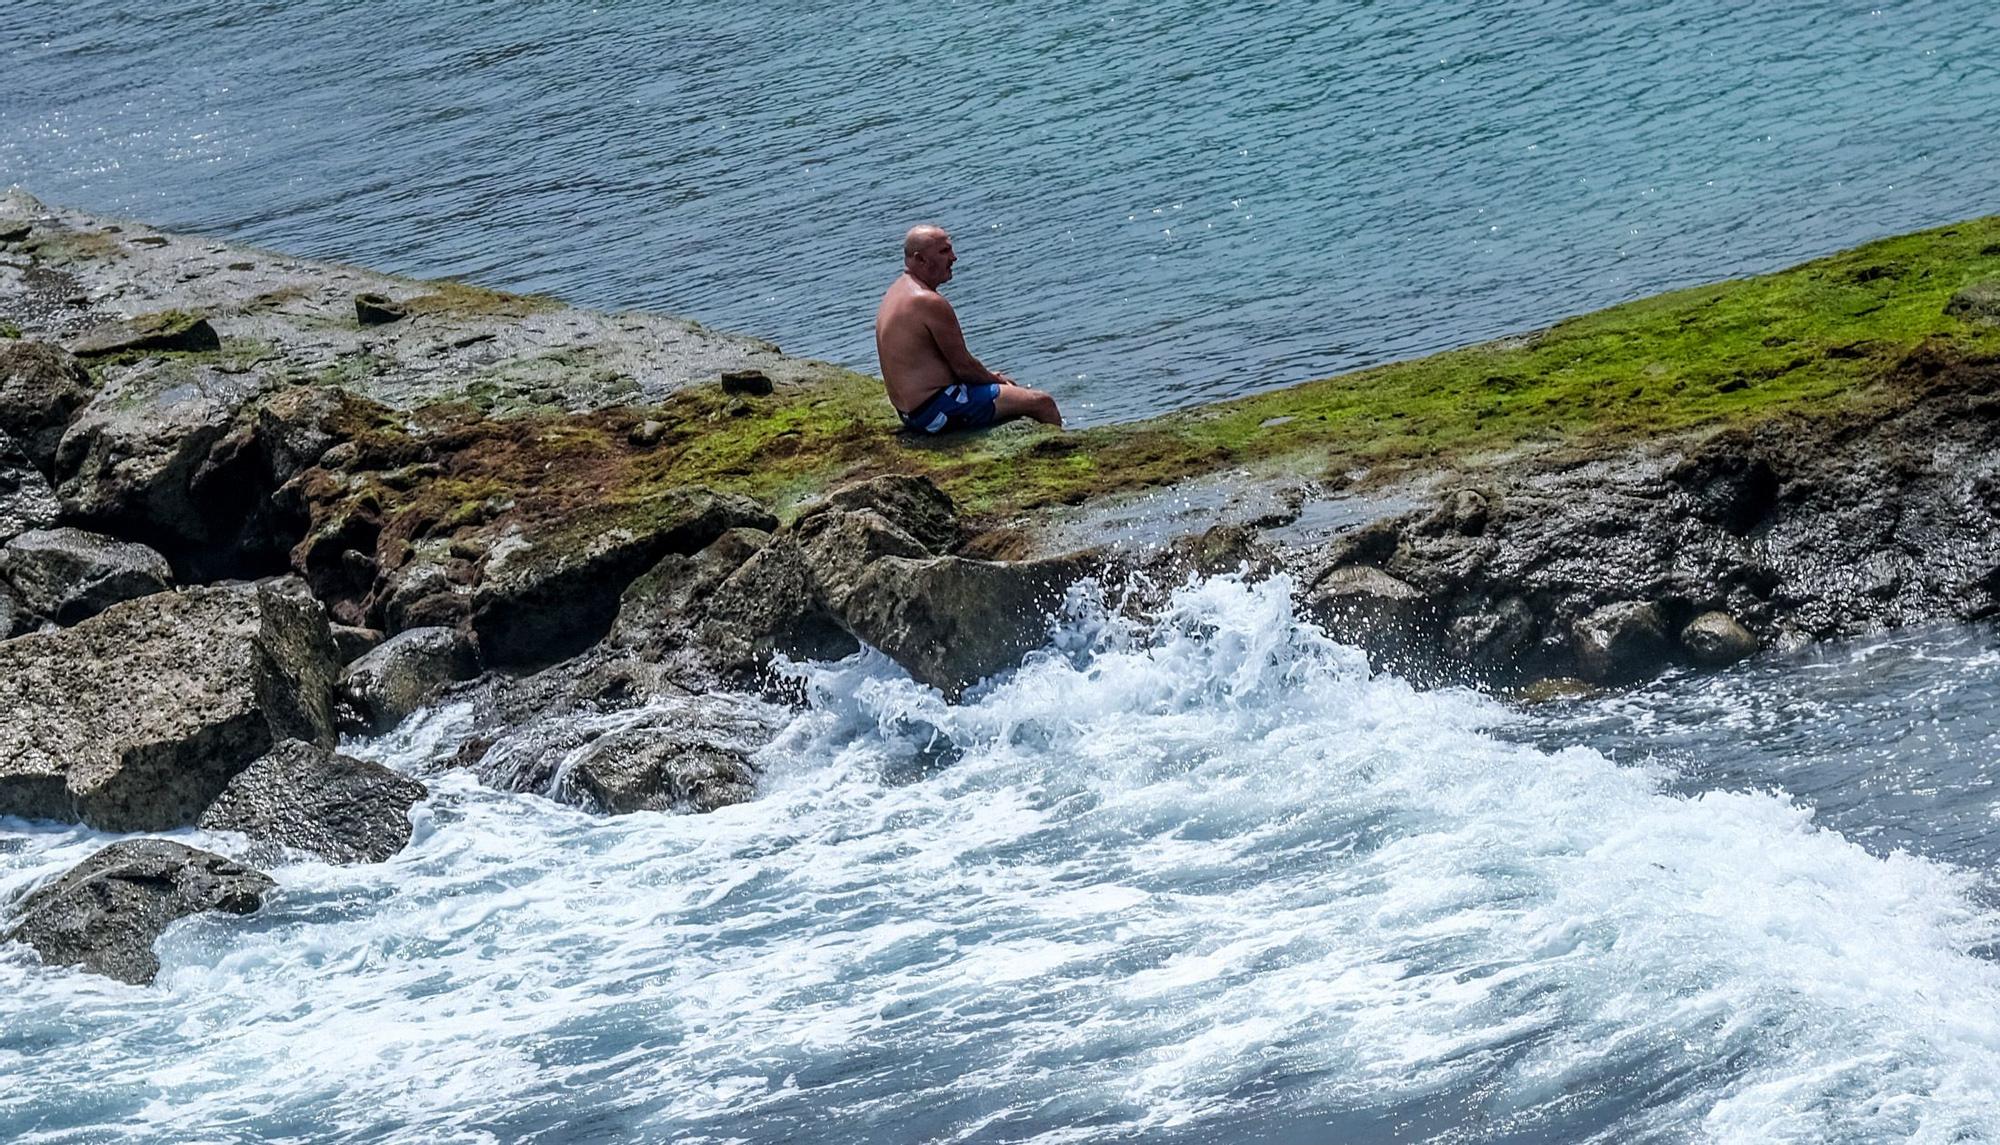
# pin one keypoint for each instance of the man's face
(936, 259)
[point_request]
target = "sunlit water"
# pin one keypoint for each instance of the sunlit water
(1156, 204)
(1205, 881)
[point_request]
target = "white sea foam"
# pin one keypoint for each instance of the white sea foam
(1174, 881)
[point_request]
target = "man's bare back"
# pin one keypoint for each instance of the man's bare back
(923, 354)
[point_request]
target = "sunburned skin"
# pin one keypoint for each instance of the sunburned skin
(920, 346)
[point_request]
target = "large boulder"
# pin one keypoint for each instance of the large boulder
(105, 913)
(305, 797)
(547, 595)
(913, 505)
(839, 546)
(1366, 607)
(769, 606)
(1716, 640)
(691, 756)
(951, 622)
(403, 674)
(41, 388)
(26, 499)
(658, 610)
(128, 463)
(136, 719)
(70, 575)
(1620, 643)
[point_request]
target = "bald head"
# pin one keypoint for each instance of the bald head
(922, 238)
(927, 254)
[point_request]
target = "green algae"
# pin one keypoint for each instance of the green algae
(1831, 335)
(466, 300)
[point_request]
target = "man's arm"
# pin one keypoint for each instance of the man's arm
(942, 321)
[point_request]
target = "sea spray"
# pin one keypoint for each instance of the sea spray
(1198, 877)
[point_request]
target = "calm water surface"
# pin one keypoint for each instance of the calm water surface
(1156, 204)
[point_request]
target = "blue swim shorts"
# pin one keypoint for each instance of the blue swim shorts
(961, 405)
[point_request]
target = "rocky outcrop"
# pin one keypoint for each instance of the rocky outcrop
(135, 719)
(105, 913)
(403, 674)
(307, 798)
(68, 575)
(41, 388)
(951, 622)
(26, 499)
(691, 756)
(1620, 643)
(1715, 640)
(540, 599)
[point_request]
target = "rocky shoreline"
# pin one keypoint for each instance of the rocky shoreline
(250, 502)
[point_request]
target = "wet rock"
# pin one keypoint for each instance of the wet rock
(544, 599)
(952, 622)
(408, 671)
(69, 575)
(378, 309)
(1366, 607)
(105, 913)
(753, 383)
(135, 719)
(1493, 642)
(839, 546)
(41, 388)
(1620, 643)
(1977, 302)
(351, 642)
(26, 499)
(695, 758)
(1716, 640)
(659, 610)
(305, 797)
(168, 330)
(422, 595)
(770, 605)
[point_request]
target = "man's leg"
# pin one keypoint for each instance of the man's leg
(1020, 401)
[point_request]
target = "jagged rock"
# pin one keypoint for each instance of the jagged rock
(405, 673)
(913, 504)
(1620, 643)
(424, 595)
(128, 464)
(378, 309)
(657, 612)
(14, 616)
(543, 599)
(1716, 640)
(41, 388)
(753, 383)
(839, 546)
(135, 719)
(770, 605)
(1367, 607)
(26, 499)
(69, 575)
(351, 642)
(305, 797)
(951, 622)
(696, 757)
(1494, 641)
(1977, 302)
(168, 330)
(105, 913)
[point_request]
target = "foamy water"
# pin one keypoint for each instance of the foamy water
(1210, 881)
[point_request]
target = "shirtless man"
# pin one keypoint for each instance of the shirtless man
(935, 383)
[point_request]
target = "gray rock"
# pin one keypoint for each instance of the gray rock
(351, 642)
(26, 499)
(951, 622)
(912, 504)
(1716, 640)
(105, 913)
(1366, 607)
(658, 611)
(378, 309)
(406, 672)
(308, 798)
(168, 330)
(544, 599)
(1977, 302)
(770, 605)
(14, 616)
(135, 719)
(695, 757)
(839, 546)
(69, 575)
(41, 388)
(1620, 643)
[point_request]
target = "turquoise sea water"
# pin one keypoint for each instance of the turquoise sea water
(1156, 204)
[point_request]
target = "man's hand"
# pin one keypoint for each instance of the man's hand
(1004, 379)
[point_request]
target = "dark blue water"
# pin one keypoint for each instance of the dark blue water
(1155, 204)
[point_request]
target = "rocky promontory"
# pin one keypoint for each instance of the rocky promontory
(248, 501)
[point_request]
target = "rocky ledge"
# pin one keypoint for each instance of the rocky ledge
(249, 501)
